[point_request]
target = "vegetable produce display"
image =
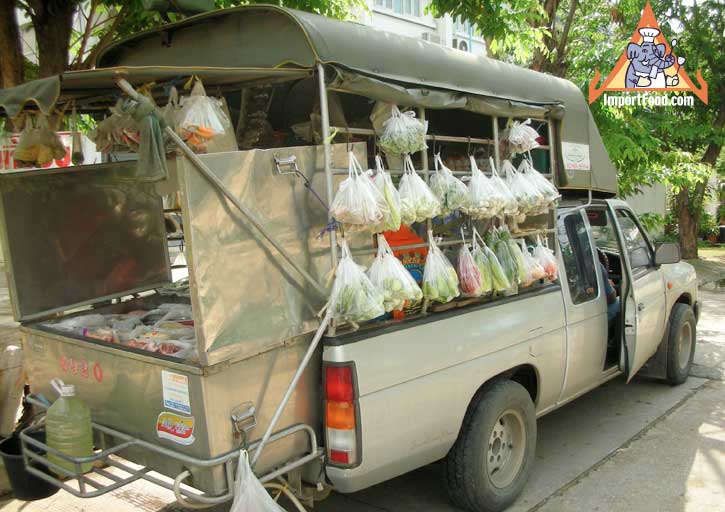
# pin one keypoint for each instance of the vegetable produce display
(520, 136)
(483, 200)
(550, 195)
(450, 191)
(354, 297)
(384, 184)
(518, 256)
(417, 201)
(403, 133)
(483, 262)
(201, 118)
(534, 271)
(469, 274)
(500, 242)
(358, 204)
(440, 282)
(389, 275)
(509, 204)
(529, 199)
(546, 259)
(38, 145)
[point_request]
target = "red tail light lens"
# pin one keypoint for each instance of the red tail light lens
(338, 383)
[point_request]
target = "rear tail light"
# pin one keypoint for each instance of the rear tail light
(341, 422)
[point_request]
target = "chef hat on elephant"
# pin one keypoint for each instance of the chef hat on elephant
(649, 34)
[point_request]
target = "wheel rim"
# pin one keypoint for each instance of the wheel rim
(684, 345)
(506, 448)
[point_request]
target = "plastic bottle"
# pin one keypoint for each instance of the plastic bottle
(68, 427)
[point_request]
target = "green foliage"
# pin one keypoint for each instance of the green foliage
(708, 225)
(652, 222)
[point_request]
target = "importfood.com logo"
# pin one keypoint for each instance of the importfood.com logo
(649, 67)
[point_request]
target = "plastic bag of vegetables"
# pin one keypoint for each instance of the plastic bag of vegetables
(417, 201)
(469, 274)
(440, 282)
(358, 204)
(384, 184)
(534, 271)
(450, 191)
(503, 250)
(354, 297)
(484, 202)
(509, 204)
(521, 136)
(403, 133)
(38, 145)
(529, 199)
(493, 277)
(546, 259)
(201, 118)
(389, 275)
(548, 191)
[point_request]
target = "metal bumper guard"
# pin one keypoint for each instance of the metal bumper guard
(86, 486)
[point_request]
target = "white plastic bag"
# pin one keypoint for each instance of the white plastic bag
(201, 118)
(546, 259)
(249, 493)
(509, 204)
(417, 201)
(482, 259)
(38, 145)
(484, 202)
(403, 133)
(534, 271)
(549, 193)
(450, 191)
(528, 197)
(389, 275)
(440, 281)
(521, 136)
(354, 297)
(358, 203)
(469, 274)
(384, 184)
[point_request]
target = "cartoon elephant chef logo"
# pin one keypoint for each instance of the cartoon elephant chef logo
(649, 63)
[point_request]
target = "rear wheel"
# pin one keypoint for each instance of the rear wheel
(490, 462)
(680, 343)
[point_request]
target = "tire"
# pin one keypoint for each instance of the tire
(482, 474)
(680, 344)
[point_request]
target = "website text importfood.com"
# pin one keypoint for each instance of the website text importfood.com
(644, 99)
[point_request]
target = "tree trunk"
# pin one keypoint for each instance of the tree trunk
(52, 22)
(11, 63)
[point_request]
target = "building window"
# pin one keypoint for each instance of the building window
(403, 7)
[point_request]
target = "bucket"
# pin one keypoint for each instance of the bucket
(25, 486)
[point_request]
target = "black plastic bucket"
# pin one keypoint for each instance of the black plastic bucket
(25, 486)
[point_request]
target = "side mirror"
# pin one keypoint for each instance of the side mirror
(667, 253)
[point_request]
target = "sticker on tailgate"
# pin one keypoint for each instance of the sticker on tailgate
(179, 429)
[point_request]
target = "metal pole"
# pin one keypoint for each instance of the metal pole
(202, 167)
(497, 157)
(325, 115)
(292, 385)
(426, 172)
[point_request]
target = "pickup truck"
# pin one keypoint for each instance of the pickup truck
(468, 386)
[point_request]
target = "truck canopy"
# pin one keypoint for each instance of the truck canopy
(252, 43)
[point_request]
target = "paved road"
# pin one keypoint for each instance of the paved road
(639, 447)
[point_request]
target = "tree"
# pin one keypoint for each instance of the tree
(11, 63)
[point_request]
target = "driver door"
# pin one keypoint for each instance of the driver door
(643, 293)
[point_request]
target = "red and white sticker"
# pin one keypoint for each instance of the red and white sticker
(179, 429)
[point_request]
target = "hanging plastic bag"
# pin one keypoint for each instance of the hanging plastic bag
(389, 275)
(354, 296)
(249, 493)
(76, 157)
(549, 193)
(534, 271)
(546, 259)
(482, 262)
(521, 136)
(384, 184)
(528, 197)
(469, 274)
(4, 142)
(417, 201)
(201, 118)
(450, 191)
(484, 202)
(403, 133)
(505, 256)
(117, 132)
(509, 204)
(440, 282)
(39, 145)
(358, 203)
(486, 258)
(171, 113)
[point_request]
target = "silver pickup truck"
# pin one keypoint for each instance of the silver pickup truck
(468, 388)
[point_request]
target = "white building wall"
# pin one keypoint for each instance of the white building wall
(652, 200)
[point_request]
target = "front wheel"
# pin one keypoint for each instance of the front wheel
(680, 344)
(489, 463)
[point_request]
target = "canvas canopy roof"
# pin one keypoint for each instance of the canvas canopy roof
(256, 41)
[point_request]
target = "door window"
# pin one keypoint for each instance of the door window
(576, 251)
(640, 255)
